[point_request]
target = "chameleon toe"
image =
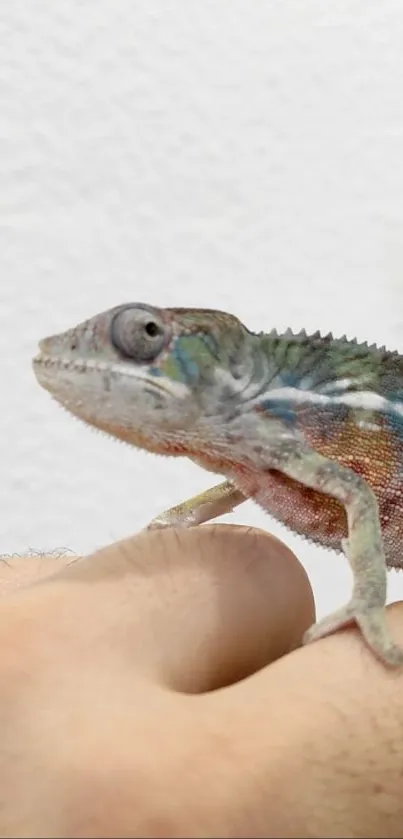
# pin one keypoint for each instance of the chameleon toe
(372, 624)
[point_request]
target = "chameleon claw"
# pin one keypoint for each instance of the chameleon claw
(157, 524)
(330, 624)
(372, 624)
(163, 521)
(208, 505)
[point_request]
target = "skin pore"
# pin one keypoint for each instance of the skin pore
(156, 688)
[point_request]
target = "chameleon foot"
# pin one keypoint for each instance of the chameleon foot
(372, 623)
(217, 501)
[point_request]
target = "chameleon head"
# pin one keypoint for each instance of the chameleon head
(149, 376)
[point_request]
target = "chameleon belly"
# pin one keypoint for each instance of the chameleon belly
(370, 444)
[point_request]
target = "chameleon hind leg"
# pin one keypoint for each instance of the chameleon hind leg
(364, 548)
(217, 501)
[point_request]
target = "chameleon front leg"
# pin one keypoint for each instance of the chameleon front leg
(217, 501)
(364, 549)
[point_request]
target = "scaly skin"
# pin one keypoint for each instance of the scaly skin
(309, 427)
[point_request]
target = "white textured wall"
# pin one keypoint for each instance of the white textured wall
(243, 155)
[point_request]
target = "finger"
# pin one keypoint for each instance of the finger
(196, 608)
(20, 571)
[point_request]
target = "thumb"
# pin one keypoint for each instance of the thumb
(204, 607)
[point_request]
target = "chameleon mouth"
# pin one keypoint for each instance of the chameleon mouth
(42, 363)
(50, 370)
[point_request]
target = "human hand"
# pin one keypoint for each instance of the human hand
(125, 709)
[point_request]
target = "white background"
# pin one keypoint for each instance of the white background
(223, 153)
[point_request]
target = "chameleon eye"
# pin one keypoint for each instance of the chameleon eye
(138, 333)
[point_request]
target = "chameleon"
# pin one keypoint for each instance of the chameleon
(308, 426)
